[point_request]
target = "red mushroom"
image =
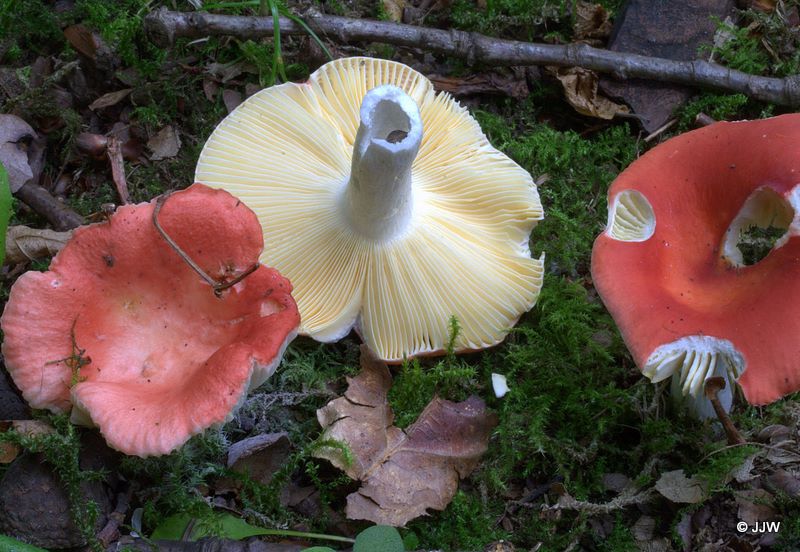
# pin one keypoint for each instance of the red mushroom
(126, 333)
(669, 270)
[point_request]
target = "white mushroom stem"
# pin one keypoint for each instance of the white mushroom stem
(378, 198)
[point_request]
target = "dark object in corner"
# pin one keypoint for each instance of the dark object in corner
(12, 405)
(673, 30)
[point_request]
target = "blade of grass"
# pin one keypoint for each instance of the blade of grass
(310, 32)
(5, 210)
(226, 5)
(277, 56)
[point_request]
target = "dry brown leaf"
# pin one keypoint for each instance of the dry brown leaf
(615, 482)
(164, 144)
(14, 132)
(675, 486)
(755, 505)
(580, 89)
(82, 39)
(210, 89)
(110, 99)
(767, 6)
(394, 9)
(744, 472)
(485, 83)
(644, 528)
(785, 482)
(403, 473)
(259, 456)
(231, 99)
(226, 71)
(26, 244)
(591, 21)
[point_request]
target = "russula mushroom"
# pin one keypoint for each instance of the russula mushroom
(126, 334)
(385, 205)
(669, 270)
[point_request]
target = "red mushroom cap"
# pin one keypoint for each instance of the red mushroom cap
(668, 269)
(123, 329)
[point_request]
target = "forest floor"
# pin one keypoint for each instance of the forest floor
(578, 458)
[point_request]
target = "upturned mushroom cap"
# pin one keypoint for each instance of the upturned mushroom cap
(669, 270)
(385, 205)
(125, 331)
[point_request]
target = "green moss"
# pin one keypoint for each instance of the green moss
(519, 19)
(119, 22)
(468, 523)
(620, 539)
(716, 467)
(61, 450)
(32, 27)
(170, 481)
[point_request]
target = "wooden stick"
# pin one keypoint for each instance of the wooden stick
(56, 213)
(164, 27)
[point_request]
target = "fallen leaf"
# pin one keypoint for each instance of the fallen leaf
(780, 455)
(231, 99)
(672, 30)
(210, 89)
(754, 505)
(774, 433)
(675, 486)
(744, 472)
(82, 40)
(644, 528)
(251, 88)
(512, 85)
(14, 133)
(591, 21)
(767, 6)
(164, 144)
(226, 71)
(26, 244)
(110, 99)
(259, 456)
(305, 500)
(394, 9)
(403, 473)
(784, 482)
(580, 89)
(616, 482)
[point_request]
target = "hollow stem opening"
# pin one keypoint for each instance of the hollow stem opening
(378, 198)
(757, 229)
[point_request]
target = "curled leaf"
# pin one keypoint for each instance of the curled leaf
(404, 473)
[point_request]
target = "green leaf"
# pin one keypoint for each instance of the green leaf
(172, 528)
(227, 526)
(237, 528)
(7, 544)
(379, 537)
(5, 210)
(318, 549)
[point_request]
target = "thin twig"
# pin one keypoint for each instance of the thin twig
(702, 120)
(623, 500)
(41, 201)
(218, 287)
(114, 153)
(164, 26)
